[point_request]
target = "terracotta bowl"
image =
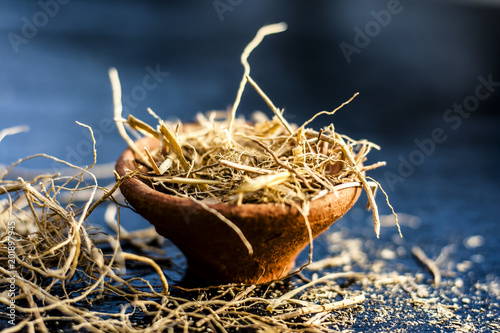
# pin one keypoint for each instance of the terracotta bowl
(213, 250)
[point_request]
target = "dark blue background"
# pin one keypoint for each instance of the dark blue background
(427, 58)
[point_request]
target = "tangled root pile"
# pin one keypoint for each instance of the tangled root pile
(53, 269)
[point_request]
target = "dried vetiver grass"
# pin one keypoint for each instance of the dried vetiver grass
(221, 158)
(59, 270)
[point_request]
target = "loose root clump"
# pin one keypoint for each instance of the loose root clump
(54, 268)
(221, 158)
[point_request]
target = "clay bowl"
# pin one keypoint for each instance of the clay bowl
(213, 250)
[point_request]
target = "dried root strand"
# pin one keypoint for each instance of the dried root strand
(263, 32)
